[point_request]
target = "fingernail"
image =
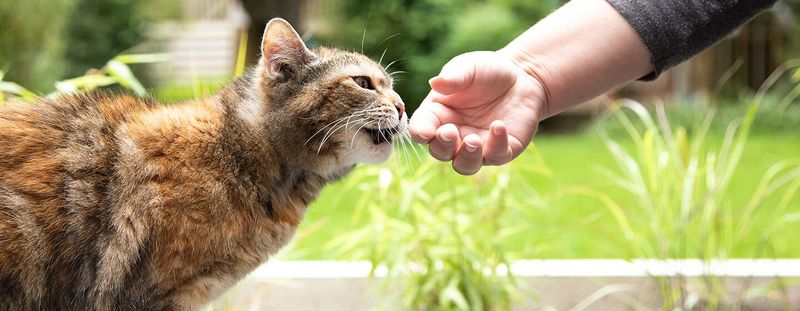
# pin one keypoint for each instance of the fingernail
(470, 148)
(496, 131)
(425, 137)
(445, 139)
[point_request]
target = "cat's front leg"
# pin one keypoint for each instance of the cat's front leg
(121, 247)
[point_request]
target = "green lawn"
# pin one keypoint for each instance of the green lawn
(567, 225)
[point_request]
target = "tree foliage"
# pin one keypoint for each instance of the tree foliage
(422, 35)
(31, 43)
(44, 41)
(100, 30)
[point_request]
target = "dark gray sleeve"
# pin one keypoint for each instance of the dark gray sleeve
(674, 30)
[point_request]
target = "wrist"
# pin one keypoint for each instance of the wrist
(534, 68)
(580, 51)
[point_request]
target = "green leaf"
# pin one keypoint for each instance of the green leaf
(16, 89)
(123, 74)
(452, 294)
(791, 217)
(142, 58)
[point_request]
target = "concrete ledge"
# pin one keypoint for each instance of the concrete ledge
(559, 284)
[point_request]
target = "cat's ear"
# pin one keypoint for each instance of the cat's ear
(283, 50)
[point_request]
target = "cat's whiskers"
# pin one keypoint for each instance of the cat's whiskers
(384, 40)
(332, 123)
(335, 128)
(363, 124)
(382, 55)
(414, 147)
(379, 130)
(401, 144)
(405, 139)
(411, 144)
(364, 111)
(364, 35)
(395, 78)
(337, 121)
(392, 63)
(330, 133)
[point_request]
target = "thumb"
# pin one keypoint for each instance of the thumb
(456, 75)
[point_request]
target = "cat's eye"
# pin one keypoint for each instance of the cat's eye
(364, 82)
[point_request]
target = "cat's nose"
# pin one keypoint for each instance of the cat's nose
(398, 104)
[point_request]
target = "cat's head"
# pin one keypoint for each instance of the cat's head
(327, 105)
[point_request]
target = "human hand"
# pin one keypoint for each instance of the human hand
(483, 109)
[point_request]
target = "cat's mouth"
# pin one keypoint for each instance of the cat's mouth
(380, 136)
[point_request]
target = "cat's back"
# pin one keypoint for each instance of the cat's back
(51, 138)
(60, 123)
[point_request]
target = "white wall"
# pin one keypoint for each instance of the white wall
(205, 44)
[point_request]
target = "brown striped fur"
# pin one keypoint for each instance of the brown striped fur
(112, 202)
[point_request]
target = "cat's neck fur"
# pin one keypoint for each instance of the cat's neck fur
(261, 154)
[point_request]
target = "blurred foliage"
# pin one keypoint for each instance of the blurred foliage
(682, 183)
(682, 187)
(773, 118)
(103, 29)
(44, 41)
(778, 108)
(31, 41)
(422, 35)
(443, 245)
(115, 72)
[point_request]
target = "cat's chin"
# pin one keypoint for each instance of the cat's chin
(366, 151)
(361, 150)
(379, 153)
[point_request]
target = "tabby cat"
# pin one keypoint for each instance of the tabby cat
(112, 202)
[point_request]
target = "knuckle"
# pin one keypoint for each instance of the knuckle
(465, 166)
(474, 157)
(440, 157)
(448, 127)
(440, 154)
(495, 160)
(465, 172)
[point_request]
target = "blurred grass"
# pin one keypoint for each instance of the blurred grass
(569, 225)
(776, 114)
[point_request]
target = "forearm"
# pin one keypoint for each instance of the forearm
(580, 51)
